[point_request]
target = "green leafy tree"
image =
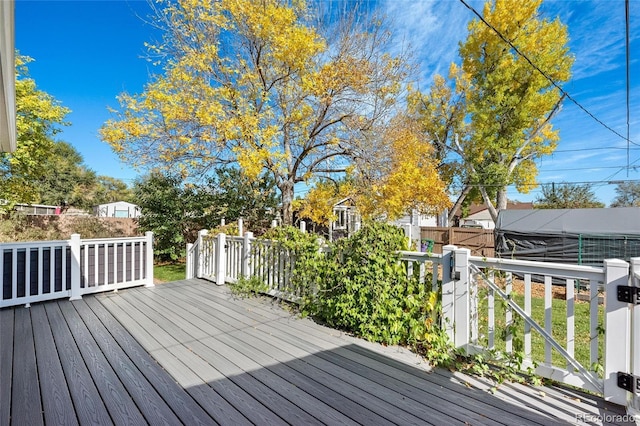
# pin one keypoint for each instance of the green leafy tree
(176, 211)
(68, 182)
(492, 120)
(271, 86)
(38, 118)
(236, 196)
(171, 211)
(627, 195)
(567, 196)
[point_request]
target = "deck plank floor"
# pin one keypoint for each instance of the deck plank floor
(191, 353)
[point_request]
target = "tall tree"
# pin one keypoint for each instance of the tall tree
(38, 118)
(265, 84)
(627, 195)
(492, 119)
(567, 196)
(170, 210)
(235, 196)
(67, 181)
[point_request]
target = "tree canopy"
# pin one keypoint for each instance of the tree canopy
(627, 195)
(38, 118)
(271, 86)
(67, 181)
(176, 211)
(567, 196)
(491, 120)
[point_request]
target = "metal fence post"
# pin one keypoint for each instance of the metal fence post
(221, 258)
(617, 335)
(149, 259)
(462, 285)
(448, 320)
(76, 291)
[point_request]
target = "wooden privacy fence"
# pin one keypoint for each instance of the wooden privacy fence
(479, 241)
(480, 310)
(45, 270)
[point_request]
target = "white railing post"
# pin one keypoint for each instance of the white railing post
(634, 405)
(221, 258)
(76, 291)
(149, 259)
(448, 320)
(462, 283)
(617, 336)
(240, 227)
(246, 255)
(189, 271)
(201, 253)
(303, 226)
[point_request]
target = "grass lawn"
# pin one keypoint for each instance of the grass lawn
(559, 328)
(169, 272)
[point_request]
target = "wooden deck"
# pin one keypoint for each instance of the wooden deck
(190, 353)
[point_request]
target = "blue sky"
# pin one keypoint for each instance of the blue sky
(87, 52)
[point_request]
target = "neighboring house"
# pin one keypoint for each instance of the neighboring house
(411, 223)
(479, 216)
(347, 219)
(117, 209)
(8, 134)
(36, 209)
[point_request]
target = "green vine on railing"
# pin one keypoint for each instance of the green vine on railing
(359, 285)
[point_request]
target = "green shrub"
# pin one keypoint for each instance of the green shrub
(364, 288)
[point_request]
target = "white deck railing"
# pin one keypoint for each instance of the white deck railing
(45, 270)
(471, 289)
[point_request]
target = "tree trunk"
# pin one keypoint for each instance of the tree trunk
(458, 204)
(286, 189)
(501, 202)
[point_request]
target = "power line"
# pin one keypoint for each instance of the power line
(626, 15)
(593, 149)
(568, 96)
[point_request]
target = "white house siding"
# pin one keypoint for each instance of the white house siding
(117, 209)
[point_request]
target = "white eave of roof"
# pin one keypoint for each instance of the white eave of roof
(7, 77)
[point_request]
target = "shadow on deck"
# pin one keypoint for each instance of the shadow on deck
(190, 353)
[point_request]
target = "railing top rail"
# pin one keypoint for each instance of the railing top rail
(35, 244)
(420, 256)
(112, 240)
(558, 270)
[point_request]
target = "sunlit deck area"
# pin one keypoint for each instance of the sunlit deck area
(189, 352)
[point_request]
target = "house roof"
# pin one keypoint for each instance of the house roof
(7, 78)
(621, 220)
(118, 203)
(511, 205)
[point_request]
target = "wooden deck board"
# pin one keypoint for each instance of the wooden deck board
(178, 399)
(26, 407)
(50, 373)
(121, 407)
(146, 398)
(87, 403)
(6, 364)
(191, 353)
(311, 344)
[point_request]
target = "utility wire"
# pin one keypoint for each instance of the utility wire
(545, 74)
(593, 149)
(626, 21)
